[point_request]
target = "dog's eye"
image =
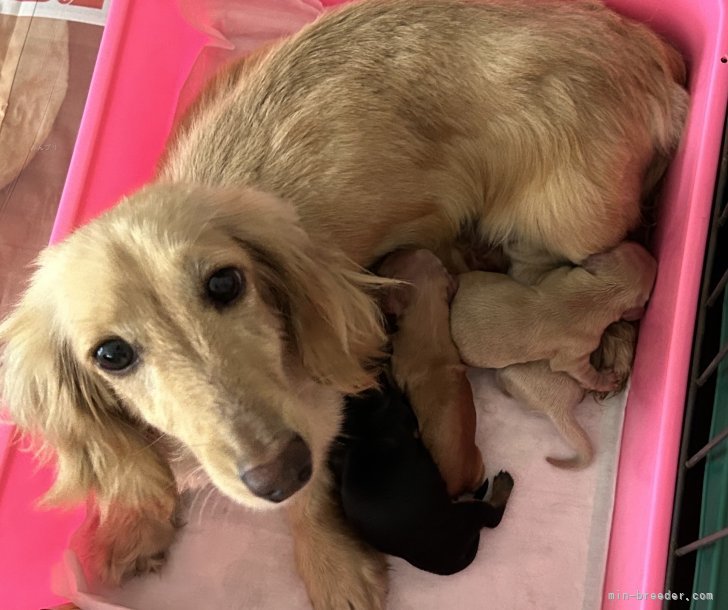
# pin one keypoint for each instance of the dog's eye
(224, 286)
(115, 355)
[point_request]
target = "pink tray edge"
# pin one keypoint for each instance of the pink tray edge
(643, 512)
(640, 515)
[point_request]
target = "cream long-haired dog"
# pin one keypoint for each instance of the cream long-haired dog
(223, 308)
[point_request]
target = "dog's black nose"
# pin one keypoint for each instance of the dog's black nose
(282, 476)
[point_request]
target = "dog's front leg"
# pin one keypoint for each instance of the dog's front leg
(120, 541)
(339, 571)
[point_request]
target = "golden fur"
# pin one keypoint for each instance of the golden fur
(302, 338)
(497, 321)
(556, 394)
(386, 124)
(427, 366)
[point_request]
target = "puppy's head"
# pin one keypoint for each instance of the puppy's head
(630, 267)
(422, 275)
(210, 317)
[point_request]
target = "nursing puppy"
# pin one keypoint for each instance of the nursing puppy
(392, 492)
(556, 394)
(497, 322)
(427, 366)
(230, 323)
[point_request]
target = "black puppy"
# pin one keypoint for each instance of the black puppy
(392, 493)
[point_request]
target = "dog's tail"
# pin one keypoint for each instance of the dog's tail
(577, 438)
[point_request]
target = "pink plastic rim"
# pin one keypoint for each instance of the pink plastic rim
(146, 53)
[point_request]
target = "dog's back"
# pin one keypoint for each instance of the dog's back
(455, 111)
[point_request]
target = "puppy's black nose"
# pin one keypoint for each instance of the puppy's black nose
(284, 475)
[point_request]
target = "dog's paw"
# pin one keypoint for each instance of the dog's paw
(139, 547)
(502, 487)
(367, 590)
(149, 564)
(346, 576)
(338, 569)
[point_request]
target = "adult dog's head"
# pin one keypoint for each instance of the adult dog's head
(210, 317)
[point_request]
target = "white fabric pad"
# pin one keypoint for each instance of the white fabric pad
(549, 552)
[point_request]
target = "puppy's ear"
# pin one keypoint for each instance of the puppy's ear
(596, 263)
(328, 302)
(77, 419)
(397, 299)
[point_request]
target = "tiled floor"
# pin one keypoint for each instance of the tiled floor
(28, 205)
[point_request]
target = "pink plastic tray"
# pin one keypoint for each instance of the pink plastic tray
(146, 54)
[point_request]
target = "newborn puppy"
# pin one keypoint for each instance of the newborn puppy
(497, 322)
(427, 366)
(392, 493)
(556, 394)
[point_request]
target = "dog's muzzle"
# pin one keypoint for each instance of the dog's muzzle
(284, 475)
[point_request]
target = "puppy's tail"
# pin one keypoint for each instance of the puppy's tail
(572, 431)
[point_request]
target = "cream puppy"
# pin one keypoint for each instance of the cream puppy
(497, 322)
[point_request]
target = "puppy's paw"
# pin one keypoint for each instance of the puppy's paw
(633, 314)
(616, 353)
(502, 487)
(479, 493)
(606, 381)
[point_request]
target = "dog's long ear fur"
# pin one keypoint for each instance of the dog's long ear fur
(328, 302)
(98, 449)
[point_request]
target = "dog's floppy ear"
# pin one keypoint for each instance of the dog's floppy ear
(78, 419)
(335, 321)
(328, 302)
